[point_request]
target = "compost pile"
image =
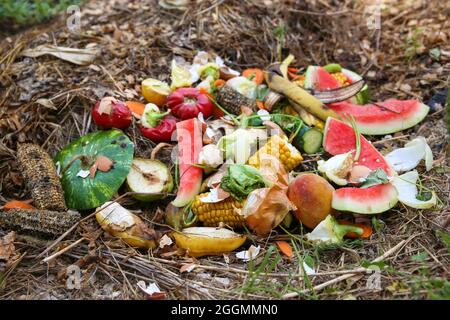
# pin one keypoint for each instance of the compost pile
(196, 152)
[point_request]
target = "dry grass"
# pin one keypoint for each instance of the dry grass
(138, 40)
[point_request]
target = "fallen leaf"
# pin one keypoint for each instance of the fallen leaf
(151, 291)
(73, 55)
(46, 103)
(165, 241)
(187, 267)
(249, 254)
(7, 248)
(104, 163)
(285, 248)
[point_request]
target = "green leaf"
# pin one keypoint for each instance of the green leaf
(445, 238)
(435, 53)
(241, 179)
(376, 177)
(420, 257)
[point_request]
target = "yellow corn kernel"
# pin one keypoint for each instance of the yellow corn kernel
(341, 78)
(212, 214)
(281, 149)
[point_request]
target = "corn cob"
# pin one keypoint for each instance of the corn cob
(212, 214)
(39, 174)
(232, 101)
(40, 222)
(281, 149)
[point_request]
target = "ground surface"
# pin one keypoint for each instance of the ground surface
(138, 40)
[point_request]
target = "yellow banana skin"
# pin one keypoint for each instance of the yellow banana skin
(298, 96)
(203, 241)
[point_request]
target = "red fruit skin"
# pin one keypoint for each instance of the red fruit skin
(162, 132)
(187, 103)
(120, 116)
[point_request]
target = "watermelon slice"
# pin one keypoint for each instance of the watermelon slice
(189, 133)
(384, 117)
(370, 200)
(340, 138)
(317, 78)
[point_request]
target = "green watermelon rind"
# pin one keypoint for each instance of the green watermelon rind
(345, 199)
(394, 125)
(87, 193)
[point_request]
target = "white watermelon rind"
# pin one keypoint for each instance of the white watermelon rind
(377, 205)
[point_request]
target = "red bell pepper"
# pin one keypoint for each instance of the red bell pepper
(157, 126)
(111, 113)
(187, 103)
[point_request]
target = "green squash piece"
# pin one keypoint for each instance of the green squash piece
(87, 193)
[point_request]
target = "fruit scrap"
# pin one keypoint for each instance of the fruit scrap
(311, 195)
(376, 199)
(384, 117)
(80, 156)
(111, 113)
(189, 133)
(157, 126)
(330, 231)
(202, 241)
(39, 222)
(40, 176)
(187, 103)
(366, 230)
(155, 91)
(213, 214)
(299, 96)
(149, 179)
(122, 224)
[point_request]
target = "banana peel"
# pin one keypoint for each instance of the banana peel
(299, 98)
(203, 241)
(307, 117)
(122, 224)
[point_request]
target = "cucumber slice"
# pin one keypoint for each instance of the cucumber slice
(312, 141)
(151, 179)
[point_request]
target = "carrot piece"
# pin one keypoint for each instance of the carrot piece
(256, 74)
(136, 107)
(293, 70)
(16, 204)
(219, 82)
(285, 248)
(367, 230)
(260, 104)
(294, 76)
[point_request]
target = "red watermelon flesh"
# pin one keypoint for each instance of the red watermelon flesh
(340, 138)
(190, 143)
(370, 200)
(384, 117)
(319, 79)
(325, 81)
